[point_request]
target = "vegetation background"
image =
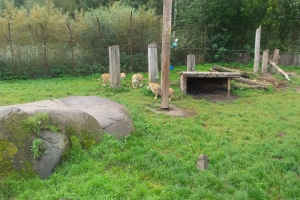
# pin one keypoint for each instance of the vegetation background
(46, 38)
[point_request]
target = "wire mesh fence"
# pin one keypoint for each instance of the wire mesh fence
(46, 50)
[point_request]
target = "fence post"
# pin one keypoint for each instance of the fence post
(265, 61)
(257, 50)
(191, 62)
(114, 66)
(152, 63)
(165, 63)
(72, 49)
(12, 51)
(45, 50)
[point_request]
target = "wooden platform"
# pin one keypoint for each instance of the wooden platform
(206, 82)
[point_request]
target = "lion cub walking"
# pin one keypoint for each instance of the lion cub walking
(137, 80)
(105, 78)
(156, 89)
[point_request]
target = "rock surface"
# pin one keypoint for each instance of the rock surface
(83, 117)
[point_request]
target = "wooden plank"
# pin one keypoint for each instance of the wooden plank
(212, 74)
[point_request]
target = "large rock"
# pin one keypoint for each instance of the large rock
(112, 116)
(83, 117)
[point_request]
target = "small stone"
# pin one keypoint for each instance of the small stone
(202, 162)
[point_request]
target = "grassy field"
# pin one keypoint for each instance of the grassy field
(253, 144)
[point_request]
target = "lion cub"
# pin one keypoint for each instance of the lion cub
(105, 77)
(136, 80)
(156, 89)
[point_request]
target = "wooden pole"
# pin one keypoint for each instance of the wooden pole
(165, 62)
(265, 61)
(114, 66)
(152, 63)
(257, 50)
(191, 63)
(275, 60)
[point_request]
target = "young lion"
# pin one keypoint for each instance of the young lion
(137, 79)
(105, 77)
(156, 89)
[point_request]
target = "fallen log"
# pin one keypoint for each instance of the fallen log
(250, 82)
(279, 69)
(242, 85)
(223, 69)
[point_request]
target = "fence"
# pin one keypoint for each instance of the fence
(38, 51)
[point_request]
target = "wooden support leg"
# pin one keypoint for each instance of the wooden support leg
(228, 88)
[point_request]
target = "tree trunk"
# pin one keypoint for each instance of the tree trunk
(280, 70)
(250, 82)
(223, 69)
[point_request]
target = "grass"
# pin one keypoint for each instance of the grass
(253, 145)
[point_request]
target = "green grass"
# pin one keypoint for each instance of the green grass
(253, 144)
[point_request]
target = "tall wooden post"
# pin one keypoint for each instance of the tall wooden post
(165, 62)
(265, 61)
(191, 63)
(152, 63)
(257, 50)
(114, 66)
(275, 60)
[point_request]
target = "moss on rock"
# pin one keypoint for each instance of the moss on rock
(7, 152)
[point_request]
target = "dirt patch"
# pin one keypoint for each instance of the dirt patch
(268, 79)
(172, 111)
(220, 96)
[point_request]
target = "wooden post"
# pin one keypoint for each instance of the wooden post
(165, 63)
(257, 50)
(275, 60)
(191, 63)
(152, 63)
(114, 66)
(265, 61)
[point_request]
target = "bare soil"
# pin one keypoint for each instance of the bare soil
(172, 111)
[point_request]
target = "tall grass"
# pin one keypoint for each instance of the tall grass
(253, 145)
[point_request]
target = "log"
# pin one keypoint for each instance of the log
(223, 69)
(250, 82)
(242, 85)
(280, 70)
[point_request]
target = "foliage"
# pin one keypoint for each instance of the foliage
(37, 148)
(35, 122)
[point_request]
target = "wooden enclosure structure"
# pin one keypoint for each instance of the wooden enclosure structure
(206, 82)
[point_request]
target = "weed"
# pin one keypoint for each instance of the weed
(37, 148)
